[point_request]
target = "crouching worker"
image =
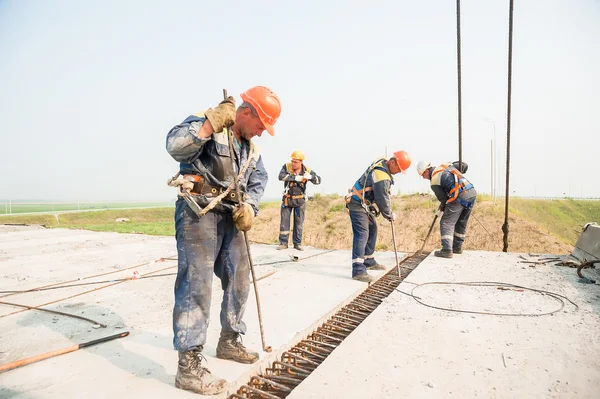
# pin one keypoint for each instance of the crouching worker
(368, 198)
(457, 197)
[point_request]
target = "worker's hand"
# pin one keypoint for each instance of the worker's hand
(393, 217)
(439, 213)
(299, 178)
(223, 115)
(307, 176)
(242, 216)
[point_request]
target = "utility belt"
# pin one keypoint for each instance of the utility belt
(203, 188)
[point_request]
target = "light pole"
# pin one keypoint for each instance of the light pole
(493, 159)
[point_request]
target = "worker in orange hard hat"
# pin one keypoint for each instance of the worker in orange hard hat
(295, 176)
(211, 242)
(368, 198)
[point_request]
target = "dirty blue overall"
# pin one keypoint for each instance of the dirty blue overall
(453, 223)
(377, 180)
(212, 243)
(294, 202)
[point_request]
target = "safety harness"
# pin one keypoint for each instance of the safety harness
(358, 190)
(287, 197)
(461, 184)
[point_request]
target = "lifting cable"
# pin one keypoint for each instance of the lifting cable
(508, 110)
(458, 68)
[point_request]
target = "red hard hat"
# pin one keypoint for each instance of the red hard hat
(403, 160)
(266, 103)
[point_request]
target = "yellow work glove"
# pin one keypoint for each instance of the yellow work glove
(242, 216)
(223, 115)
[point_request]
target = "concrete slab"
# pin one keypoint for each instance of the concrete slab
(588, 243)
(143, 364)
(405, 349)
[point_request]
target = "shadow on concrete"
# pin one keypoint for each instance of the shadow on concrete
(589, 293)
(7, 393)
(79, 331)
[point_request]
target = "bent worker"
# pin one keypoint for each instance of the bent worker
(457, 197)
(368, 198)
(295, 175)
(213, 243)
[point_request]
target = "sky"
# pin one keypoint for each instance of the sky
(90, 89)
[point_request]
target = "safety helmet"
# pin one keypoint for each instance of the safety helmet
(266, 103)
(403, 160)
(298, 154)
(422, 166)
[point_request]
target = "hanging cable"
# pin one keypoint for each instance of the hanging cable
(508, 110)
(458, 67)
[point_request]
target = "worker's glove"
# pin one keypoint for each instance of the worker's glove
(307, 176)
(223, 115)
(242, 216)
(299, 178)
(393, 217)
(439, 213)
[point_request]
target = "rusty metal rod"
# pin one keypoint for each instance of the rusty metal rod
(395, 249)
(48, 355)
(54, 312)
(273, 383)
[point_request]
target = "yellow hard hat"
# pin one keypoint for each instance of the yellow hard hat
(298, 155)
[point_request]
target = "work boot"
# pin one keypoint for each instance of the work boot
(230, 347)
(298, 247)
(457, 250)
(375, 266)
(364, 277)
(193, 376)
(282, 246)
(444, 253)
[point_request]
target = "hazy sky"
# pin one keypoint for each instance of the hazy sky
(89, 89)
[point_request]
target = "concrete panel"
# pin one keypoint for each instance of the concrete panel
(143, 364)
(588, 244)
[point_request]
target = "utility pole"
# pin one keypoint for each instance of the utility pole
(493, 159)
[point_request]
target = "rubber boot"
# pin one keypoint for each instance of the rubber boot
(364, 277)
(457, 250)
(444, 253)
(282, 246)
(193, 376)
(230, 347)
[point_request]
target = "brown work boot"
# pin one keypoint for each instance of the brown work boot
(230, 347)
(364, 277)
(193, 376)
(282, 246)
(457, 250)
(298, 247)
(444, 253)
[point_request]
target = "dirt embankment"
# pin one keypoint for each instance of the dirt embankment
(327, 225)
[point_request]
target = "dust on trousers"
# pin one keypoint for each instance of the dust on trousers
(207, 245)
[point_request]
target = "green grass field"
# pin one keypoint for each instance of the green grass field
(560, 218)
(30, 207)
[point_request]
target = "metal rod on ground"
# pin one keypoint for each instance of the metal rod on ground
(48, 355)
(428, 233)
(239, 198)
(395, 249)
(54, 312)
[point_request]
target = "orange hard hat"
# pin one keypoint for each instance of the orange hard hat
(403, 160)
(266, 103)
